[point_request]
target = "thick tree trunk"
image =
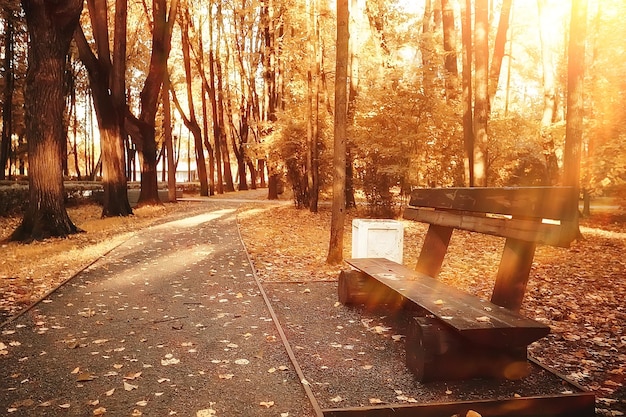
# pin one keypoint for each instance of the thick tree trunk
(163, 21)
(335, 247)
(50, 27)
(115, 202)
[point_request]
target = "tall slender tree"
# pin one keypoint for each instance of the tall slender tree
(51, 25)
(7, 94)
(468, 115)
(481, 97)
(335, 246)
(549, 93)
(575, 109)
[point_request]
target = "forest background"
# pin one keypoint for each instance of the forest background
(250, 98)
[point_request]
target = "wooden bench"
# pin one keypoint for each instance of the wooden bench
(455, 335)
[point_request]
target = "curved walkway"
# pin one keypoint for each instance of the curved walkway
(172, 322)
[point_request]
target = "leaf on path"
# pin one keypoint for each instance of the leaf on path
(93, 402)
(483, 319)
(207, 412)
(109, 392)
(242, 361)
(376, 401)
(75, 371)
(99, 411)
(130, 387)
(267, 404)
(226, 376)
(142, 403)
(84, 377)
(162, 380)
(132, 375)
(336, 399)
(136, 413)
(169, 360)
(64, 405)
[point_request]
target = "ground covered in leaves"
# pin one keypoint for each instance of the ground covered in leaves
(578, 291)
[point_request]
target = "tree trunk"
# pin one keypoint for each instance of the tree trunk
(468, 118)
(575, 110)
(142, 129)
(335, 247)
(498, 48)
(50, 27)
(115, 202)
(549, 94)
(449, 47)
(7, 104)
(481, 99)
(217, 128)
(169, 142)
(191, 122)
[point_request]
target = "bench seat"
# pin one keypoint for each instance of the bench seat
(480, 321)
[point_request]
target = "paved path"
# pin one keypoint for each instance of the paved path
(171, 322)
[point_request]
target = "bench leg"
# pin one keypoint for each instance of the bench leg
(510, 286)
(356, 287)
(434, 352)
(434, 250)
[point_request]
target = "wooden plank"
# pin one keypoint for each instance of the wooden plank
(478, 320)
(530, 231)
(566, 405)
(541, 202)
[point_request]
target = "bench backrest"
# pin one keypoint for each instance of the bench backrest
(547, 215)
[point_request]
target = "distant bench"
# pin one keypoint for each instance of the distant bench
(455, 335)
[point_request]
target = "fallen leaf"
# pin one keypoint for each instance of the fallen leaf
(376, 401)
(226, 376)
(483, 319)
(130, 387)
(207, 412)
(336, 399)
(242, 361)
(142, 403)
(267, 404)
(84, 377)
(99, 411)
(65, 405)
(109, 392)
(132, 376)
